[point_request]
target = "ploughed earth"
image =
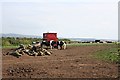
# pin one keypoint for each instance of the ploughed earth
(74, 62)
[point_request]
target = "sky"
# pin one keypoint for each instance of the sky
(68, 18)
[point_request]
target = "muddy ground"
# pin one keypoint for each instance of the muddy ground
(74, 62)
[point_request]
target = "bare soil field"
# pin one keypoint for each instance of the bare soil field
(74, 62)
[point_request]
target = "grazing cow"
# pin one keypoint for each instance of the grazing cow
(51, 44)
(64, 45)
(54, 44)
(58, 44)
(61, 45)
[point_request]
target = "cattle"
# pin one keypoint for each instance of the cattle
(64, 45)
(54, 44)
(61, 45)
(50, 43)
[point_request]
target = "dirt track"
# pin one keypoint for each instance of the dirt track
(74, 62)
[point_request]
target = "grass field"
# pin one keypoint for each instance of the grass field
(89, 44)
(110, 54)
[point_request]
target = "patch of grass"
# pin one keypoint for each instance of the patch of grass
(10, 46)
(110, 54)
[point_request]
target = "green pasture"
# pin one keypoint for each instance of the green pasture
(110, 54)
(89, 44)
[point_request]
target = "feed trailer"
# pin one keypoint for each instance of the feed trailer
(47, 37)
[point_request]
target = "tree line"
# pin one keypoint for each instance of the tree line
(12, 41)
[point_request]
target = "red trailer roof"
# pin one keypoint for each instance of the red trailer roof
(50, 36)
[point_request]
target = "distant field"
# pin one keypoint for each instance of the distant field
(72, 44)
(88, 44)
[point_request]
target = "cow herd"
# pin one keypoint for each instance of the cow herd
(54, 44)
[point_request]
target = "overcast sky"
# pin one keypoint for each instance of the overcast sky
(69, 18)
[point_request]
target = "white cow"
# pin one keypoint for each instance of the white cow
(51, 45)
(64, 45)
